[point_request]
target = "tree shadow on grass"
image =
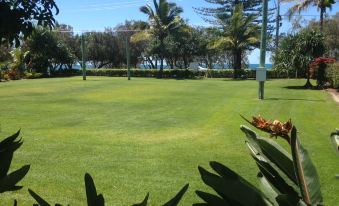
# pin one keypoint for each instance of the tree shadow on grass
(293, 99)
(304, 87)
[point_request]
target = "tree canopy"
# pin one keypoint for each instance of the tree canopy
(164, 18)
(18, 18)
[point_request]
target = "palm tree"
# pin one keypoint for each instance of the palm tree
(163, 19)
(303, 4)
(239, 34)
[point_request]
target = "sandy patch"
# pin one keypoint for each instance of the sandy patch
(334, 93)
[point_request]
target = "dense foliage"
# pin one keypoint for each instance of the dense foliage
(331, 33)
(239, 34)
(297, 51)
(18, 17)
(321, 5)
(163, 19)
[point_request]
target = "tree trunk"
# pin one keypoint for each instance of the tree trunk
(308, 84)
(237, 63)
(161, 59)
(322, 12)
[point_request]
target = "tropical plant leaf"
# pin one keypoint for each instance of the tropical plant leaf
(9, 182)
(287, 200)
(7, 148)
(176, 199)
(144, 202)
(267, 188)
(211, 199)
(9, 140)
(273, 152)
(231, 187)
(38, 199)
(93, 199)
(278, 183)
(306, 173)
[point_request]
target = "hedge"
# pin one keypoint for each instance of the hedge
(181, 73)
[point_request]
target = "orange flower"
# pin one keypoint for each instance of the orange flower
(275, 128)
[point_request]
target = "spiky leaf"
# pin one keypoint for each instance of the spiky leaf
(306, 173)
(93, 199)
(273, 152)
(176, 199)
(231, 187)
(38, 199)
(144, 202)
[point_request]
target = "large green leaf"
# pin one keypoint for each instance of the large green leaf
(7, 148)
(273, 152)
(9, 140)
(93, 199)
(176, 199)
(306, 173)
(38, 199)
(267, 188)
(144, 202)
(211, 199)
(9, 182)
(278, 184)
(231, 187)
(287, 200)
(172, 202)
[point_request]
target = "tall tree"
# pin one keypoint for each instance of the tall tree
(239, 34)
(66, 38)
(224, 9)
(127, 30)
(322, 5)
(101, 48)
(331, 34)
(18, 17)
(296, 52)
(163, 19)
(47, 52)
(181, 47)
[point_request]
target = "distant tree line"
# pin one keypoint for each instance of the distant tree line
(166, 39)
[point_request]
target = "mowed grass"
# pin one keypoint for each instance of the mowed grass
(149, 135)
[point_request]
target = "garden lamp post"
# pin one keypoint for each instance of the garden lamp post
(261, 71)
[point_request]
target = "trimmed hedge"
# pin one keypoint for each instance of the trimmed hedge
(182, 73)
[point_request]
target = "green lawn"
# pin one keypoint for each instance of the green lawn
(149, 135)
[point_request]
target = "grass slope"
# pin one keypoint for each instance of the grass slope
(149, 135)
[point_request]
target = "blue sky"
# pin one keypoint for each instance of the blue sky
(100, 14)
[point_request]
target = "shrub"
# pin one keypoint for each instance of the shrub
(65, 72)
(13, 74)
(182, 73)
(33, 75)
(333, 75)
